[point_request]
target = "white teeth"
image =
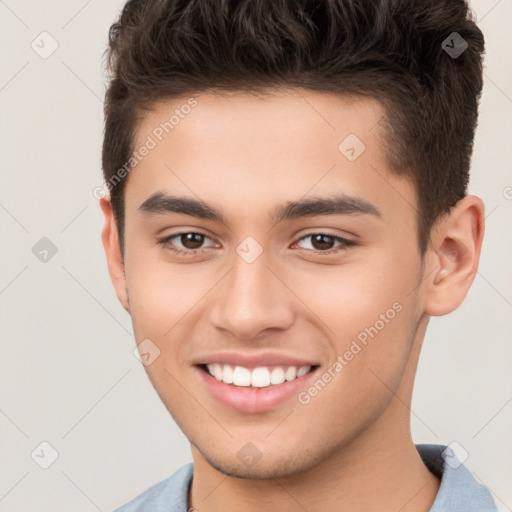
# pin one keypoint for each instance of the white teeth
(303, 370)
(217, 371)
(290, 373)
(260, 377)
(227, 374)
(277, 376)
(241, 376)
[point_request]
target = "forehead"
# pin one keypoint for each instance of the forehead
(321, 114)
(288, 143)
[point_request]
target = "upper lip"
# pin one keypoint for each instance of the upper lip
(254, 360)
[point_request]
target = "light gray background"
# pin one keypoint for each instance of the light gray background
(68, 375)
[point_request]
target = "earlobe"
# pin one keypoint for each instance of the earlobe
(110, 239)
(454, 254)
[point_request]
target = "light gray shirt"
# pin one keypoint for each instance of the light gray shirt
(459, 490)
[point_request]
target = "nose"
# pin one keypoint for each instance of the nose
(251, 300)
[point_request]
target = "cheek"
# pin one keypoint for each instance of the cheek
(351, 297)
(161, 294)
(367, 311)
(367, 368)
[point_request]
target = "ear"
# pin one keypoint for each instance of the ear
(110, 239)
(453, 254)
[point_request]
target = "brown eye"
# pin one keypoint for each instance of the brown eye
(187, 243)
(322, 242)
(192, 240)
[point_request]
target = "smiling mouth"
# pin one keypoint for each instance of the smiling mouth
(259, 377)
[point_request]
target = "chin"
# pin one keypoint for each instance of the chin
(266, 468)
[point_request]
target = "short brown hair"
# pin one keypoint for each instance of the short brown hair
(422, 59)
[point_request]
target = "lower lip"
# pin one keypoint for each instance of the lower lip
(253, 400)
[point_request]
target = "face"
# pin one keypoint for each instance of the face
(268, 243)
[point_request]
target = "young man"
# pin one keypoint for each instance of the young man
(287, 208)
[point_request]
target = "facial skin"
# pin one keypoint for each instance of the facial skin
(245, 156)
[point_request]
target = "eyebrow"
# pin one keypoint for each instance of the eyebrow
(160, 203)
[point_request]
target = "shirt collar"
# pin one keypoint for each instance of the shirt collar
(459, 489)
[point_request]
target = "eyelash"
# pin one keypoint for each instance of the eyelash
(192, 252)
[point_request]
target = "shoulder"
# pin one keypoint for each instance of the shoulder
(167, 495)
(459, 489)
